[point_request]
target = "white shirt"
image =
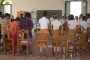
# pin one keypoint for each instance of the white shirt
(62, 21)
(56, 24)
(88, 22)
(43, 23)
(72, 24)
(84, 24)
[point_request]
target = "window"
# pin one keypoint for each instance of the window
(7, 6)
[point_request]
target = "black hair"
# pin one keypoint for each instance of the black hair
(55, 16)
(17, 19)
(21, 14)
(45, 13)
(71, 17)
(27, 14)
(84, 18)
(6, 15)
(88, 15)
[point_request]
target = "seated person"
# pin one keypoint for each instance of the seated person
(56, 23)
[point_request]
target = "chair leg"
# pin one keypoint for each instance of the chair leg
(66, 51)
(36, 51)
(47, 51)
(4, 48)
(53, 51)
(18, 49)
(13, 50)
(56, 52)
(27, 50)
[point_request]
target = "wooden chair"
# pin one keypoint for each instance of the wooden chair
(22, 40)
(9, 40)
(71, 43)
(42, 39)
(64, 44)
(56, 41)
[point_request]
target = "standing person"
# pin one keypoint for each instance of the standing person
(4, 25)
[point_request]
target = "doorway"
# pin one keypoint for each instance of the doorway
(75, 8)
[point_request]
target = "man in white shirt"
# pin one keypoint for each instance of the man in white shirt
(44, 22)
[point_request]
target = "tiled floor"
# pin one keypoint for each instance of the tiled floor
(86, 56)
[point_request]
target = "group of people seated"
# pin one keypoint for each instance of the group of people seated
(22, 23)
(70, 24)
(44, 24)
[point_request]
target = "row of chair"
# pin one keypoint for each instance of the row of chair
(60, 39)
(43, 38)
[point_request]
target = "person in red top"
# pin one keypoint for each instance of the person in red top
(13, 27)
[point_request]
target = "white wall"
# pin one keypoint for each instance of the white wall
(33, 5)
(29, 5)
(88, 6)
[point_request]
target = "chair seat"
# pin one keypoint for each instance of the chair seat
(24, 41)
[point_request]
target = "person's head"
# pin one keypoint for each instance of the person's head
(21, 15)
(27, 15)
(55, 17)
(80, 16)
(76, 17)
(7, 16)
(44, 13)
(88, 16)
(17, 19)
(71, 17)
(84, 18)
